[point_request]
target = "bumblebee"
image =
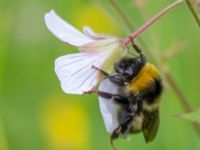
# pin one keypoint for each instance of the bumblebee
(129, 97)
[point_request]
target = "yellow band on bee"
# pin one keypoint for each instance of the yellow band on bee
(144, 78)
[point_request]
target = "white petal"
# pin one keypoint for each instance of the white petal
(75, 71)
(91, 34)
(107, 106)
(112, 46)
(64, 31)
(101, 45)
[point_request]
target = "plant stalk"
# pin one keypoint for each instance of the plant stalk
(192, 10)
(121, 12)
(126, 19)
(151, 21)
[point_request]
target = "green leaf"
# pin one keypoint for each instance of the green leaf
(193, 116)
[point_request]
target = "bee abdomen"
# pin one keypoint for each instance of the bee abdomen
(152, 92)
(151, 95)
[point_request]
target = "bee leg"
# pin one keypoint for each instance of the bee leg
(129, 51)
(100, 93)
(117, 98)
(139, 51)
(90, 92)
(122, 129)
(117, 79)
(102, 71)
(113, 78)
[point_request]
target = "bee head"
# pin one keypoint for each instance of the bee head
(128, 68)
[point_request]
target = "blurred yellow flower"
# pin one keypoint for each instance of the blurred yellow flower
(98, 20)
(65, 125)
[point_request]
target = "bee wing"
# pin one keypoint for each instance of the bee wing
(75, 71)
(150, 125)
(107, 107)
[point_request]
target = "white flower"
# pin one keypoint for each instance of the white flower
(75, 71)
(108, 107)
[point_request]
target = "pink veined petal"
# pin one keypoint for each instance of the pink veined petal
(64, 31)
(75, 71)
(107, 107)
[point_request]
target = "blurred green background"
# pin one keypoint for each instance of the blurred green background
(34, 112)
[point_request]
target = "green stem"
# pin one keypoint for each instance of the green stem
(192, 10)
